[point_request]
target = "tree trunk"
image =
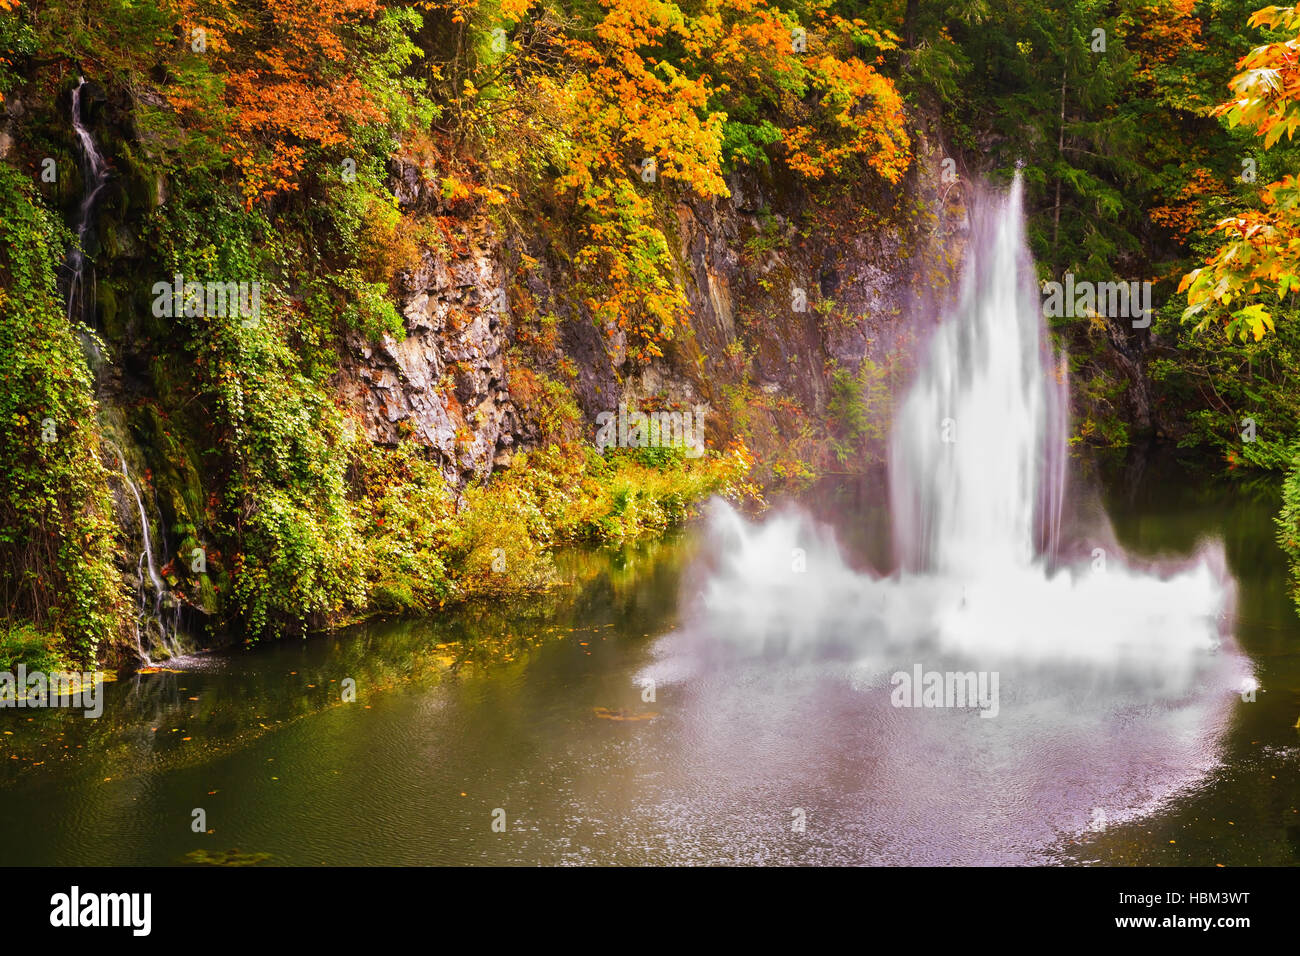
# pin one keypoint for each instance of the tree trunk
(909, 23)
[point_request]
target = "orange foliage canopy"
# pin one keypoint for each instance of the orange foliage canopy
(1183, 214)
(1261, 249)
(290, 81)
(6, 5)
(649, 104)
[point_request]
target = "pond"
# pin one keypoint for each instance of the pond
(523, 732)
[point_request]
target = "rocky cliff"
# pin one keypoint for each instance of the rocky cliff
(783, 288)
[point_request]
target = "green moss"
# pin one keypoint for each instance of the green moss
(234, 857)
(109, 311)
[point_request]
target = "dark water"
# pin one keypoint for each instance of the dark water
(534, 709)
(1247, 812)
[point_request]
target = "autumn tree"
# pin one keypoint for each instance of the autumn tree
(292, 77)
(1260, 253)
(667, 95)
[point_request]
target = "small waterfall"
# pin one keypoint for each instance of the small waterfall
(94, 172)
(157, 622)
(153, 613)
(978, 454)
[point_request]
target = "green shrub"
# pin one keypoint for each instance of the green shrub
(56, 516)
(24, 643)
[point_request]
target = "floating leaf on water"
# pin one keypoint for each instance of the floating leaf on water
(233, 857)
(604, 713)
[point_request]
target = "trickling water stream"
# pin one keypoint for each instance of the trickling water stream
(158, 617)
(153, 620)
(94, 172)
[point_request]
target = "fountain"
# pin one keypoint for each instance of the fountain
(978, 448)
(1116, 677)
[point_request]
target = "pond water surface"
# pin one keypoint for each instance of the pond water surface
(532, 715)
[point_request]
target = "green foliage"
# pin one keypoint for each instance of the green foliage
(1288, 522)
(359, 239)
(1211, 384)
(402, 506)
(365, 306)
(56, 518)
(545, 400)
(24, 643)
(1103, 424)
(284, 513)
(641, 490)
(653, 456)
(856, 408)
(497, 543)
(17, 40)
(746, 143)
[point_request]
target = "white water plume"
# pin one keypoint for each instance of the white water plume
(978, 449)
(1116, 680)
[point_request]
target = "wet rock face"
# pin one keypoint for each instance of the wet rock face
(797, 299)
